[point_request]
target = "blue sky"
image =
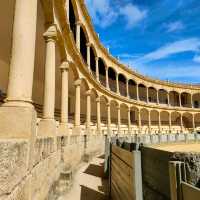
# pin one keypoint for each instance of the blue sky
(158, 38)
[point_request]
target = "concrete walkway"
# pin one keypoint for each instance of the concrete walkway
(89, 183)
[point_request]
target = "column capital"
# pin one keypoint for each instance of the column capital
(88, 44)
(78, 22)
(98, 99)
(97, 58)
(77, 82)
(51, 33)
(64, 66)
(88, 93)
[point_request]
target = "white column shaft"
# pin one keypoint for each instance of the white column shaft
(78, 35)
(88, 111)
(107, 80)
(97, 68)
(88, 56)
(23, 51)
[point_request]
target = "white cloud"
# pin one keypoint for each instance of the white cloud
(102, 12)
(196, 58)
(187, 45)
(175, 26)
(132, 14)
(105, 14)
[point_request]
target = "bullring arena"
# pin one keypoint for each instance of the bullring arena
(63, 96)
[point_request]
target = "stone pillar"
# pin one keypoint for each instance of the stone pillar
(157, 93)
(149, 118)
(168, 99)
(98, 115)
(97, 68)
(47, 125)
(139, 121)
(181, 123)
(159, 122)
(170, 122)
(109, 119)
(67, 8)
(129, 120)
(147, 95)
(180, 104)
(107, 80)
(64, 98)
(193, 122)
(19, 97)
(191, 101)
(77, 121)
(137, 91)
(78, 35)
(119, 119)
(127, 89)
(117, 82)
(88, 55)
(88, 117)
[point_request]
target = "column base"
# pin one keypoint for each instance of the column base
(17, 122)
(63, 129)
(47, 127)
(76, 130)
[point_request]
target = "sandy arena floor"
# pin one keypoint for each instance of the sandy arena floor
(179, 147)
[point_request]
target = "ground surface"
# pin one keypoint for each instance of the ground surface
(89, 182)
(179, 147)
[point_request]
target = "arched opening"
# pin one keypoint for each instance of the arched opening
(142, 89)
(113, 115)
(132, 87)
(144, 120)
(176, 122)
(197, 121)
(104, 116)
(92, 61)
(124, 114)
(154, 118)
(112, 79)
(93, 107)
(134, 116)
(186, 100)
(152, 95)
(196, 100)
(163, 97)
(164, 118)
(83, 44)
(72, 19)
(102, 72)
(122, 85)
(187, 121)
(174, 98)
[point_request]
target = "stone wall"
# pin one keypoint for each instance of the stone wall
(28, 172)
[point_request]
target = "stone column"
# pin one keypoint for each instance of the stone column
(117, 82)
(127, 89)
(119, 119)
(88, 121)
(191, 101)
(48, 125)
(139, 121)
(109, 118)
(97, 68)
(147, 95)
(98, 115)
(77, 121)
(137, 91)
(159, 122)
(181, 123)
(168, 99)
(78, 34)
(107, 80)
(67, 8)
(129, 120)
(170, 122)
(157, 93)
(88, 55)
(149, 118)
(19, 97)
(64, 98)
(180, 104)
(193, 122)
